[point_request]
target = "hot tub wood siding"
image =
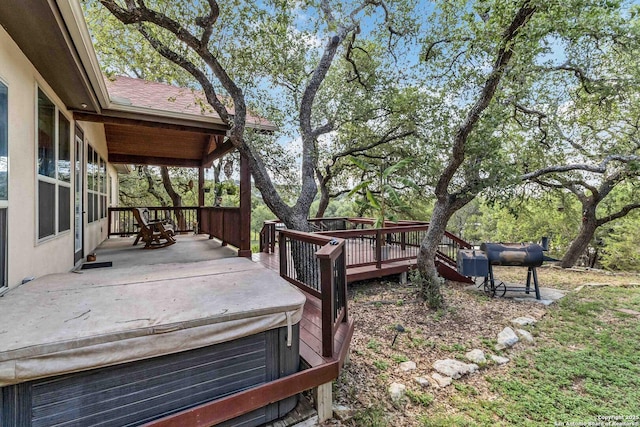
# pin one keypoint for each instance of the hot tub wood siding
(138, 392)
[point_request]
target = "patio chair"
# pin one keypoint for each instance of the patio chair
(154, 234)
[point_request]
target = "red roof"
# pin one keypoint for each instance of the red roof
(163, 97)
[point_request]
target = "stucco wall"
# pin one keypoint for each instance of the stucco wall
(27, 256)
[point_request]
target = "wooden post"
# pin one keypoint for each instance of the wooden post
(378, 248)
(282, 247)
(109, 213)
(200, 197)
(324, 401)
(245, 209)
(326, 288)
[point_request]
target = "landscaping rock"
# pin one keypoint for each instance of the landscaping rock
(440, 380)
(506, 338)
(454, 368)
(499, 359)
(343, 413)
(476, 356)
(397, 392)
(525, 335)
(424, 383)
(524, 321)
(408, 366)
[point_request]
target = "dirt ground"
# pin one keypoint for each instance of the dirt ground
(470, 320)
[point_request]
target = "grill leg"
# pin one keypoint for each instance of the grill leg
(528, 287)
(535, 282)
(492, 281)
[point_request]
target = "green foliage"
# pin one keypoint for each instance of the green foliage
(621, 244)
(399, 358)
(374, 416)
(381, 364)
(373, 345)
(380, 196)
(420, 398)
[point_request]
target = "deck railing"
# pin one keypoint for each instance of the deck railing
(122, 222)
(401, 242)
(368, 246)
(317, 265)
(221, 223)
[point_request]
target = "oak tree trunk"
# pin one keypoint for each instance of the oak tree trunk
(580, 244)
(430, 289)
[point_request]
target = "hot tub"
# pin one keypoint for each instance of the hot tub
(127, 346)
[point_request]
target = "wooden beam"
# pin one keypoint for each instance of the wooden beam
(150, 121)
(220, 151)
(155, 161)
(230, 407)
(210, 145)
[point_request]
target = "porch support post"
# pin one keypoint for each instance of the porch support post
(201, 186)
(245, 209)
(200, 198)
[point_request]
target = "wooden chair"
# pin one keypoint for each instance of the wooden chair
(154, 234)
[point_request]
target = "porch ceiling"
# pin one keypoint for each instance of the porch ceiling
(163, 147)
(145, 142)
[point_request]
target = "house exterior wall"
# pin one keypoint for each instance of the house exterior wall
(27, 256)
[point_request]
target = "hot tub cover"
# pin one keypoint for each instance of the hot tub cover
(71, 322)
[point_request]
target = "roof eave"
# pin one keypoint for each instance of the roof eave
(74, 19)
(186, 117)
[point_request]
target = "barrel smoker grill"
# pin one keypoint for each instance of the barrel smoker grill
(480, 264)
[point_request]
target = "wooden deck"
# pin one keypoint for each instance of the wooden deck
(311, 336)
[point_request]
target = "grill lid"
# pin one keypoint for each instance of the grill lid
(514, 254)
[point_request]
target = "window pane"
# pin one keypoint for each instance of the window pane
(90, 208)
(46, 136)
(64, 149)
(90, 168)
(46, 209)
(3, 247)
(95, 171)
(95, 207)
(103, 176)
(4, 142)
(103, 206)
(64, 208)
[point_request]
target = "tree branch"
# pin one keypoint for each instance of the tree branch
(621, 213)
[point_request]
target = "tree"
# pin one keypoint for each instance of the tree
(497, 70)
(183, 33)
(597, 148)
(511, 24)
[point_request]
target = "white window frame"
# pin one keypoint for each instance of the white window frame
(56, 181)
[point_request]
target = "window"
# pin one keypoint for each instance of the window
(4, 182)
(54, 169)
(96, 186)
(4, 142)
